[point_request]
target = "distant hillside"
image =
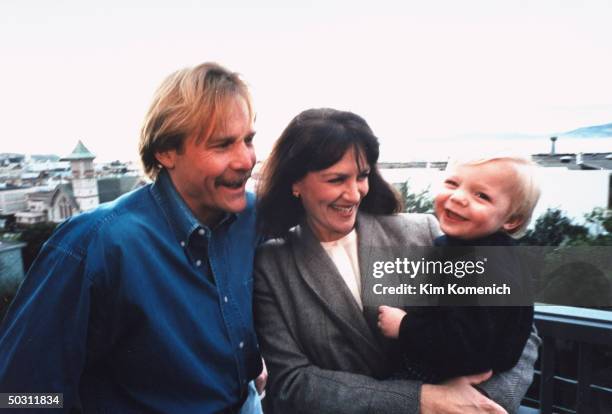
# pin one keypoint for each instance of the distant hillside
(596, 131)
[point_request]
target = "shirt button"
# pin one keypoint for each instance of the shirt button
(201, 232)
(225, 299)
(241, 345)
(182, 243)
(198, 263)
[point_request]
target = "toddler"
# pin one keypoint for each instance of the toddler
(487, 202)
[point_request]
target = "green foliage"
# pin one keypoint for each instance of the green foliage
(553, 228)
(601, 224)
(421, 202)
(573, 281)
(577, 267)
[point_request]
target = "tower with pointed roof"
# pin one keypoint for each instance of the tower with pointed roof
(84, 183)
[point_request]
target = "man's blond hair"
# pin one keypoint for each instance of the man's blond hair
(189, 104)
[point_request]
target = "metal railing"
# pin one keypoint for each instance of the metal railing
(588, 329)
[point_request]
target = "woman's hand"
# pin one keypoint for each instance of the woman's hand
(458, 396)
(262, 379)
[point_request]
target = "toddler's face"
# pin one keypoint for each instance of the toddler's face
(475, 200)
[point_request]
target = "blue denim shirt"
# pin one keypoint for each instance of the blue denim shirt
(137, 307)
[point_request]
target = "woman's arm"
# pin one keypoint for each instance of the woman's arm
(508, 388)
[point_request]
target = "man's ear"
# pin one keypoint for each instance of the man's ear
(166, 158)
(513, 222)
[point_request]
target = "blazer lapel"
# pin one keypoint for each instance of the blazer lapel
(321, 275)
(369, 251)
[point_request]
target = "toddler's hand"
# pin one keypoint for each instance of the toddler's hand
(389, 320)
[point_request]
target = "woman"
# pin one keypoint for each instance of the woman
(323, 200)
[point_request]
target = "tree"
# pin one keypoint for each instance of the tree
(420, 202)
(575, 271)
(553, 228)
(601, 227)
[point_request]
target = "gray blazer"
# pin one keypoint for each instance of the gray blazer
(324, 355)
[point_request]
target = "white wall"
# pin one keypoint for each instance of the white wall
(12, 201)
(575, 192)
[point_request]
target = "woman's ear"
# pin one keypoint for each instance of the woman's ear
(295, 189)
(513, 222)
(166, 158)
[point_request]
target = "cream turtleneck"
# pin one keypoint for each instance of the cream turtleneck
(343, 253)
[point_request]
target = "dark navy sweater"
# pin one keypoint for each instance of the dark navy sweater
(455, 339)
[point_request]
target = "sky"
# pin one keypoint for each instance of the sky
(421, 73)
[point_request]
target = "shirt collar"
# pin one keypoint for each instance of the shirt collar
(178, 214)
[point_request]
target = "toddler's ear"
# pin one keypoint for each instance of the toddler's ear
(513, 223)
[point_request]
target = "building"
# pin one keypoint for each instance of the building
(579, 161)
(84, 183)
(575, 183)
(83, 192)
(53, 205)
(13, 199)
(60, 203)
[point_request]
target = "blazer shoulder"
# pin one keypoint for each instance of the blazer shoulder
(424, 221)
(270, 249)
(271, 245)
(411, 227)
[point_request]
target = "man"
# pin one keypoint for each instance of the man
(144, 304)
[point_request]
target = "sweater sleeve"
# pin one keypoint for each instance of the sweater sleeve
(449, 341)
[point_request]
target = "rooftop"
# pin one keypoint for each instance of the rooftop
(590, 161)
(80, 152)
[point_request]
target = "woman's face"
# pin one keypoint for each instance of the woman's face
(331, 196)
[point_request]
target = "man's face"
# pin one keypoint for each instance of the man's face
(210, 175)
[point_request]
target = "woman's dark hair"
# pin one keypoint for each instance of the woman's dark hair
(315, 140)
